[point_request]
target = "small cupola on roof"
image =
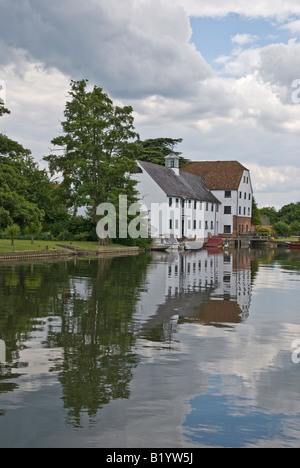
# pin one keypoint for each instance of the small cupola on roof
(172, 162)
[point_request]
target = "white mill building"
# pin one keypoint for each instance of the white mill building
(178, 204)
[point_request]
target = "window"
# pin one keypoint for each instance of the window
(200, 224)
(212, 207)
(177, 202)
(200, 206)
(195, 225)
(206, 206)
(227, 193)
(244, 211)
(240, 194)
(171, 224)
(176, 224)
(170, 202)
(206, 224)
(212, 225)
(190, 203)
(240, 210)
(217, 208)
(245, 196)
(227, 229)
(195, 205)
(249, 196)
(249, 211)
(227, 209)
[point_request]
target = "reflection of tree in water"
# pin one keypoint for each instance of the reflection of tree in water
(96, 328)
(25, 294)
(288, 260)
(98, 336)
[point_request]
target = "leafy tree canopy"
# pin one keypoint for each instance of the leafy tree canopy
(256, 219)
(26, 194)
(97, 150)
(155, 150)
(290, 213)
(14, 186)
(286, 220)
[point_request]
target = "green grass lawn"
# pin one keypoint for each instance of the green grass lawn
(26, 246)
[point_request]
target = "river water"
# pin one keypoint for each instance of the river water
(170, 350)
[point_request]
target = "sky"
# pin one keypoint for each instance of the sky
(222, 75)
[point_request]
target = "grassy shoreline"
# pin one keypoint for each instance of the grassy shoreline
(26, 246)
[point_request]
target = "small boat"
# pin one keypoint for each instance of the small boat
(294, 245)
(215, 242)
(173, 243)
(193, 245)
(159, 244)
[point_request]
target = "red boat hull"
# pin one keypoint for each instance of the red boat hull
(294, 245)
(214, 242)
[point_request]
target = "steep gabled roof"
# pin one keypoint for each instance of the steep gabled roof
(185, 185)
(218, 175)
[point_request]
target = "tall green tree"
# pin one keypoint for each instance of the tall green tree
(45, 194)
(290, 213)
(155, 150)
(256, 219)
(27, 196)
(97, 150)
(271, 213)
(15, 205)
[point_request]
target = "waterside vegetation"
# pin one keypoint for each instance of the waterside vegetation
(89, 164)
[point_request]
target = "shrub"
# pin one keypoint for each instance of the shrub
(83, 236)
(281, 228)
(264, 231)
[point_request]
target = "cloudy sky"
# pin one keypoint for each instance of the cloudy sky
(223, 75)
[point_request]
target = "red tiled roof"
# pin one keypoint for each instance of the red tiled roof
(218, 175)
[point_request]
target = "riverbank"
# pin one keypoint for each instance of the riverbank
(50, 249)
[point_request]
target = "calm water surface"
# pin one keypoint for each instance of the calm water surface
(157, 350)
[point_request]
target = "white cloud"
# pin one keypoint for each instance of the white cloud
(280, 63)
(293, 27)
(140, 52)
(280, 180)
(280, 9)
(240, 62)
(133, 47)
(36, 99)
(243, 39)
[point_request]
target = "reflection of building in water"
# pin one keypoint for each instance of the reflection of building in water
(209, 287)
(2, 352)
